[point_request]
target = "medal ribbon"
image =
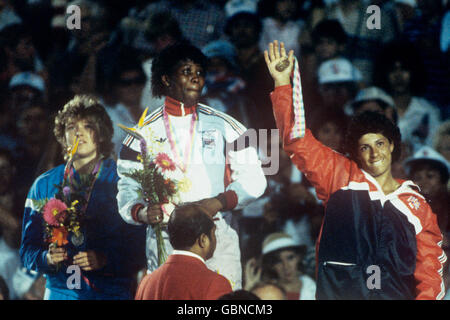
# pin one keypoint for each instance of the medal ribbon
(298, 130)
(69, 173)
(173, 145)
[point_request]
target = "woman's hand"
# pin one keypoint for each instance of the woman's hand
(90, 260)
(151, 215)
(211, 205)
(279, 64)
(56, 255)
(252, 273)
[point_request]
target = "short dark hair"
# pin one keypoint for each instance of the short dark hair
(166, 62)
(86, 107)
(160, 24)
(329, 28)
(186, 224)
(372, 122)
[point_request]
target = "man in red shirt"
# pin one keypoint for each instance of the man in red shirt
(184, 276)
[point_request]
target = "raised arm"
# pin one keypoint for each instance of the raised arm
(326, 169)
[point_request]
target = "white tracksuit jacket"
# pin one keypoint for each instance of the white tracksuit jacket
(213, 169)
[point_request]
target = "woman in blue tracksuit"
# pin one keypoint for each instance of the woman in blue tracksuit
(103, 262)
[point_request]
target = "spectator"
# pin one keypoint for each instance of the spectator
(89, 53)
(200, 21)
(281, 19)
(26, 88)
(243, 30)
(184, 276)
(424, 31)
(328, 41)
(282, 264)
(107, 263)
(376, 100)
(223, 86)
(124, 91)
(282, 260)
(363, 41)
(330, 129)
(399, 70)
(430, 171)
(21, 54)
(338, 84)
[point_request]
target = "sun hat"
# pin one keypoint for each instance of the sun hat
(278, 240)
(427, 153)
(374, 93)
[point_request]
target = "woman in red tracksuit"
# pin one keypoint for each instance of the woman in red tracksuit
(379, 237)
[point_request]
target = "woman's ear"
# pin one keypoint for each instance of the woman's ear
(165, 80)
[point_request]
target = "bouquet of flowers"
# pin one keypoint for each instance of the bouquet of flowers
(63, 213)
(154, 186)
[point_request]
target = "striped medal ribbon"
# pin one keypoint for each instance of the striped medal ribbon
(298, 129)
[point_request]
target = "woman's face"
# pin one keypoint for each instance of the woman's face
(287, 265)
(84, 130)
(429, 180)
(186, 83)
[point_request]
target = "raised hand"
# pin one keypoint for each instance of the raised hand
(280, 64)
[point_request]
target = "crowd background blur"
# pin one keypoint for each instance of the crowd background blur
(400, 69)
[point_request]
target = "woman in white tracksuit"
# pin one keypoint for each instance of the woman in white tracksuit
(198, 139)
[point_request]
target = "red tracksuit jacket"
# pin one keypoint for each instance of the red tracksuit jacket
(365, 231)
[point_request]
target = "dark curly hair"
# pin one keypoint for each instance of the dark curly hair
(89, 108)
(168, 61)
(371, 122)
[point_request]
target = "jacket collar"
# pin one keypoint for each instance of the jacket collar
(177, 108)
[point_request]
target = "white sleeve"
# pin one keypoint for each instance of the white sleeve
(247, 175)
(127, 195)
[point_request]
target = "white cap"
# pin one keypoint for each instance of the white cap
(426, 153)
(278, 240)
(374, 93)
(27, 79)
(338, 70)
(412, 3)
(237, 6)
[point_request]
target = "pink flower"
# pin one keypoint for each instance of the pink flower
(164, 162)
(54, 210)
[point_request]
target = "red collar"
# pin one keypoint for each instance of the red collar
(175, 107)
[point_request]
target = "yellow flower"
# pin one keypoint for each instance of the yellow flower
(184, 185)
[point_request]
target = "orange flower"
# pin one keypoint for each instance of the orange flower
(59, 236)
